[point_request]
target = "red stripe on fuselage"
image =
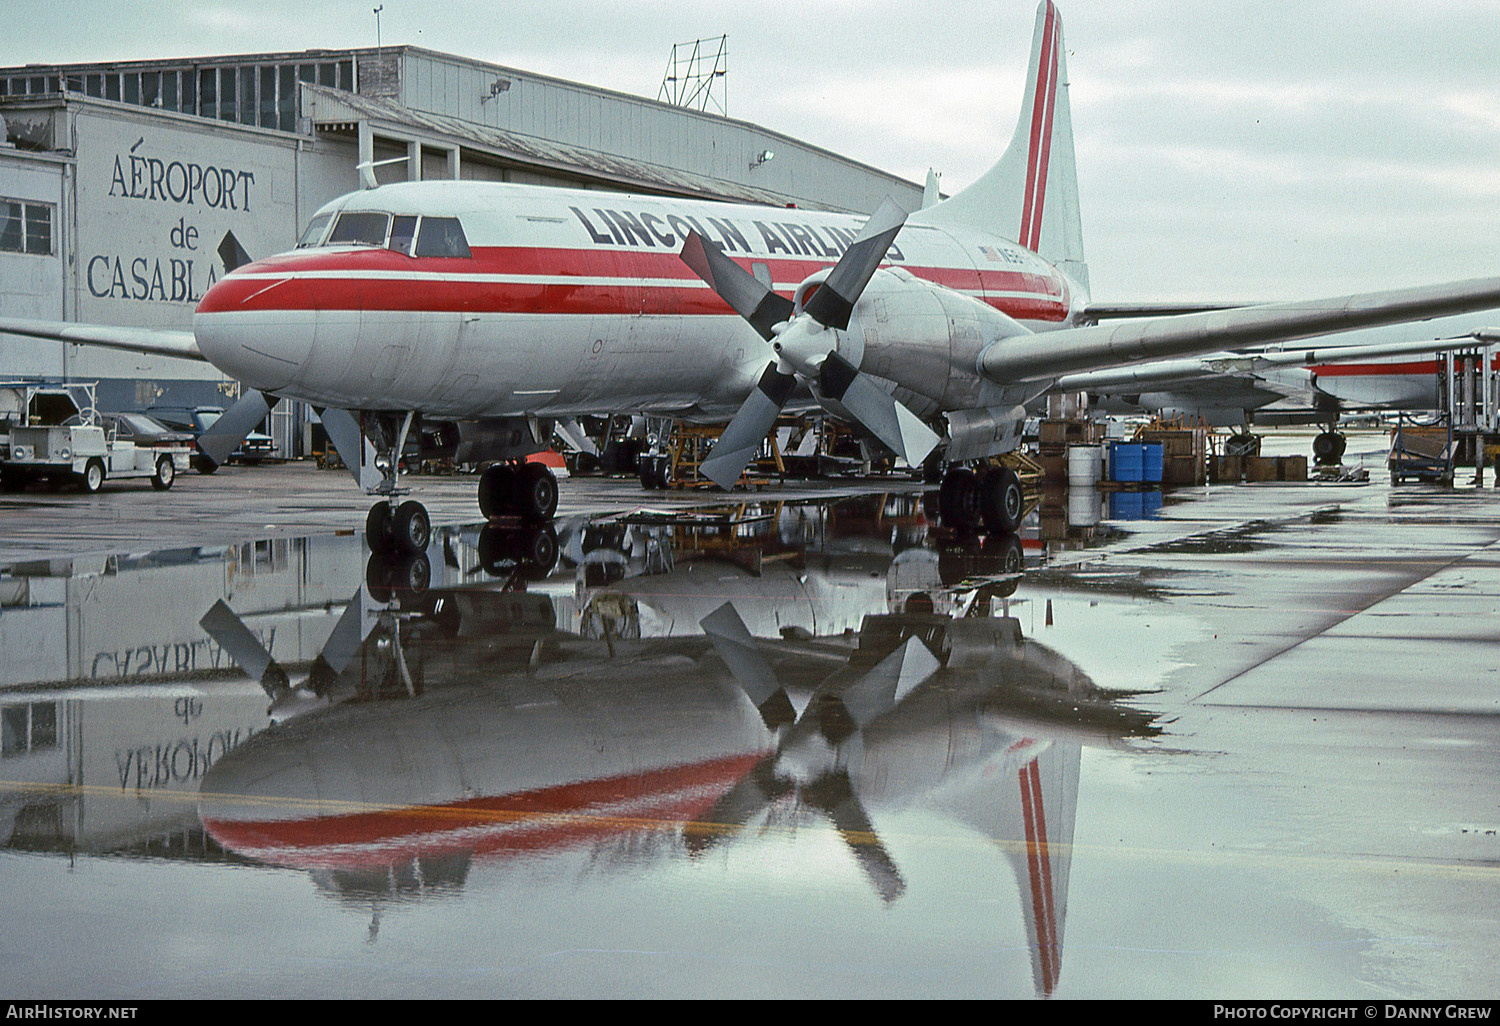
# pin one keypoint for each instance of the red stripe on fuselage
(1425, 368)
(382, 280)
(549, 817)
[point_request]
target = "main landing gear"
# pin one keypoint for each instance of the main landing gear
(988, 497)
(507, 489)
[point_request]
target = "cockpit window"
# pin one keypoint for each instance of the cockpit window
(442, 237)
(360, 228)
(314, 233)
(403, 230)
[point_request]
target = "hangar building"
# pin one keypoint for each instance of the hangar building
(120, 183)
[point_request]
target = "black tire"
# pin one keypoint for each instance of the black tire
(92, 477)
(1002, 501)
(1328, 449)
(378, 576)
(166, 473)
(958, 500)
(536, 495)
(411, 529)
(497, 490)
(413, 574)
(648, 476)
(203, 464)
(378, 527)
(537, 551)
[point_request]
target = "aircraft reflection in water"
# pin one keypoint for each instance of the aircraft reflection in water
(672, 693)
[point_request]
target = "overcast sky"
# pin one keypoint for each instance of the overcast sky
(1227, 150)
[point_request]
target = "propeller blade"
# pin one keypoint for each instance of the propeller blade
(232, 253)
(736, 646)
(231, 634)
(890, 681)
(340, 648)
(225, 434)
(898, 429)
(834, 301)
(752, 422)
(348, 440)
(746, 294)
(835, 797)
(749, 796)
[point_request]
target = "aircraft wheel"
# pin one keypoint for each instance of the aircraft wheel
(92, 477)
(413, 574)
(166, 473)
(378, 527)
(536, 496)
(1002, 501)
(958, 500)
(497, 490)
(410, 529)
(1328, 448)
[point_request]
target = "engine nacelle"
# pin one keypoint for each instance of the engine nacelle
(924, 337)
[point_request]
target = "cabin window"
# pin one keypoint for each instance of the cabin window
(403, 230)
(315, 229)
(360, 228)
(442, 237)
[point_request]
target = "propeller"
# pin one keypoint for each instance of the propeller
(806, 349)
(806, 761)
(228, 432)
(230, 633)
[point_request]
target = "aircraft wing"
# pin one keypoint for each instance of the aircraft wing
(153, 341)
(1074, 350)
(1159, 373)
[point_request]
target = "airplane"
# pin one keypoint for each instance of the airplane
(1303, 384)
(509, 309)
(467, 738)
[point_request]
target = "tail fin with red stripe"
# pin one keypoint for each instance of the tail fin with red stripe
(1031, 195)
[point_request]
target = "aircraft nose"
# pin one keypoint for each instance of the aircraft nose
(251, 334)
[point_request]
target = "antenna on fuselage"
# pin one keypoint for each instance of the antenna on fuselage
(367, 170)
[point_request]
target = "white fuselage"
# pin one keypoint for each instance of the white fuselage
(570, 302)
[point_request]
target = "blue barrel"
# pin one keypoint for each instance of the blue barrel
(1125, 505)
(1126, 461)
(1151, 462)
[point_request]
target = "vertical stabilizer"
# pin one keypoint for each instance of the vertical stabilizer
(1031, 195)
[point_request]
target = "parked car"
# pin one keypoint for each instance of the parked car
(195, 420)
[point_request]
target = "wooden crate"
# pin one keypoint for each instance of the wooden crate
(1291, 468)
(1261, 468)
(1177, 442)
(1226, 469)
(1183, 470)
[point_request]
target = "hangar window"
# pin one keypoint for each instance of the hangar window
(25, 227)
(442, 237)
(360, 228)
(227, 109)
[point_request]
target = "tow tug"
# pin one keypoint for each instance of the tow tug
(54, 433)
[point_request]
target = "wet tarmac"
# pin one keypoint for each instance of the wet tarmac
(1245, 746)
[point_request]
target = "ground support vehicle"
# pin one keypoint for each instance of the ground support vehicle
(53, 433)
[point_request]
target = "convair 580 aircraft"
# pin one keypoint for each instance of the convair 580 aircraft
(502, 307)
